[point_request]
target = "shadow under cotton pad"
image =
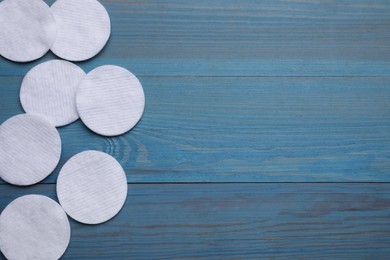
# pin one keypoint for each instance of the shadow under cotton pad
(34, 227)
(92, 187)
(49, 90)
(30, 149)
(27, 29)
(83, 29)
(110, 100)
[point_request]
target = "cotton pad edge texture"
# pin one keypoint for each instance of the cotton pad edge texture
(84, 28)
(30, 149)
(34, 227)
(27, 29)
(49, 90)
(110, 100)
(92, 187)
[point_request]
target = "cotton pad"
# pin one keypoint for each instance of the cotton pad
(27, 29)
(49, 90)
(30, 148)
(34, 227)
(110, 100)
(83, 29)
(92, 187)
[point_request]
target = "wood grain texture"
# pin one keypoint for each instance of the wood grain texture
(236, 221)
(242, 91)
(244, 38)
(245, 129)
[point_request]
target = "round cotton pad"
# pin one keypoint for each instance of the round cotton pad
(110, 100)
(92, 187)
(83, 29)
(34, 227)
(49, 90)
(27, 29)
(30, 148)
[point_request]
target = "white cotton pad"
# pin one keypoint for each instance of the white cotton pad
(110, 100)
(27, 29)
(92, 187)
(30, 148)
(83, 29)
(49, 90)
(34, 227)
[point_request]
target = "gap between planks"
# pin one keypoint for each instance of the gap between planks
(238, 76)
(222, 183)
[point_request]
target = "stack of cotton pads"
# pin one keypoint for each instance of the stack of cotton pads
(92, 185)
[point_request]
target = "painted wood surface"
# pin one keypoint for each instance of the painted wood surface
(237, 221)
(226, 125)
(246, 129)
(245, 38)
(242, 91)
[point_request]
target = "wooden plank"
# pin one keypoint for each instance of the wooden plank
(245, 130)
(244, 38)
(236, 221)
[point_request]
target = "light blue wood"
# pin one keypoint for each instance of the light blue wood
(246, 129)
(237, 221)
(242, 91)
(245, 38)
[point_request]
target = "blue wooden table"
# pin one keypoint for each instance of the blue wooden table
(266, 133)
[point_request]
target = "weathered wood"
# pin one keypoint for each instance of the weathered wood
(244, 38)
(236, 221)
(245, 129)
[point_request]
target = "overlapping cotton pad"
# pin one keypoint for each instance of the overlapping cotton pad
(110, 100)
(30, 148)
(34, 227)
(27, 29)
(92, 187)
(49, 90)
(83, 29)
